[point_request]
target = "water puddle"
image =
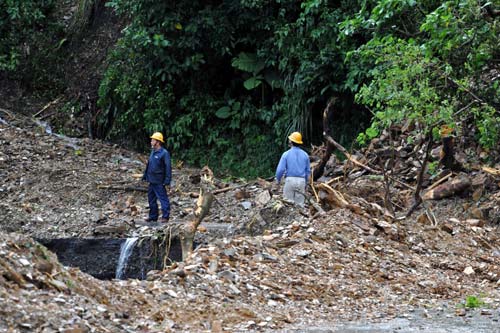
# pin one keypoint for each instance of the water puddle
(420, 321)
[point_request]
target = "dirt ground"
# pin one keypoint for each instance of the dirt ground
(281, 268)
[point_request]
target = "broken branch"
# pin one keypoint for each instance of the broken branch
(330, 140)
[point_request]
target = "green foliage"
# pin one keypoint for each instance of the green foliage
(175, 71)
(227, 81)
(30, 45)
(403, 86)
(70, 283)
(18, 21)
(433, 167)
(473, 302)
(433, 72)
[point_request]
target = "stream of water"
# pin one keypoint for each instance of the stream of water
(125, 251)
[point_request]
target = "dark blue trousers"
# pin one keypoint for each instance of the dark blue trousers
(157, 191)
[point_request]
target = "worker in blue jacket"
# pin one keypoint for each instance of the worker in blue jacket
(294, 165)
(159, 174)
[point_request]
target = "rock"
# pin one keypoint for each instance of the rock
(302, 253)
(216, 326)
(241, 194)
(305, 268)
(263, 198)
(447, 227)
(422, 218)
(76, 329)
(45, 266)
(24, 262)
(246, 205)
(477, 194)
(227, 275)
(115, 228)
(468, 270)
(386, 227)
(475, 222)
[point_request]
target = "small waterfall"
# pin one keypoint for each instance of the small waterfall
(125, 251)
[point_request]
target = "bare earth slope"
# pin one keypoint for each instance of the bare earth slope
(296, 270)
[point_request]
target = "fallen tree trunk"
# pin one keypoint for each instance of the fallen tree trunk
(219, 191)
(332, 196)
(449, 188)
(122, 188)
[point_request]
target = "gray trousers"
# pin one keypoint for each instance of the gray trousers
(294, 190)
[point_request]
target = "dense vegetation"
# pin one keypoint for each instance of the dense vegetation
(18, 21)
(28, 38)
(226, 81)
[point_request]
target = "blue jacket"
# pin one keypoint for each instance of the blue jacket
(294, 163)
(159, 169)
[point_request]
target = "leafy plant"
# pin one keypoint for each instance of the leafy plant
(17, 22)
(473, 302)
(428, 73)
(433, 167)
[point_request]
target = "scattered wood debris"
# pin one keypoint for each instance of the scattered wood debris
(353, 255)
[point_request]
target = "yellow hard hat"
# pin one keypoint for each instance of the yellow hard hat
(157, 136)
(296, 137)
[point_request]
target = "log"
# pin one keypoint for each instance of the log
(219, 191)
(344, 151)
(440, 181)
(491, 171)
(11, 274)
(122, 188)
(8, 113)
(333, 197)
(225, 189)
(331, 144)
(48, 105)
(449, 188)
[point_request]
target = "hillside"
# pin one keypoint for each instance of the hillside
(281, 268)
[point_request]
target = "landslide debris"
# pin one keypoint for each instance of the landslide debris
(346, 257)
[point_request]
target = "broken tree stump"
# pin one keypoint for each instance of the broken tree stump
(320, 168)
(447, 154)
(203, 204)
